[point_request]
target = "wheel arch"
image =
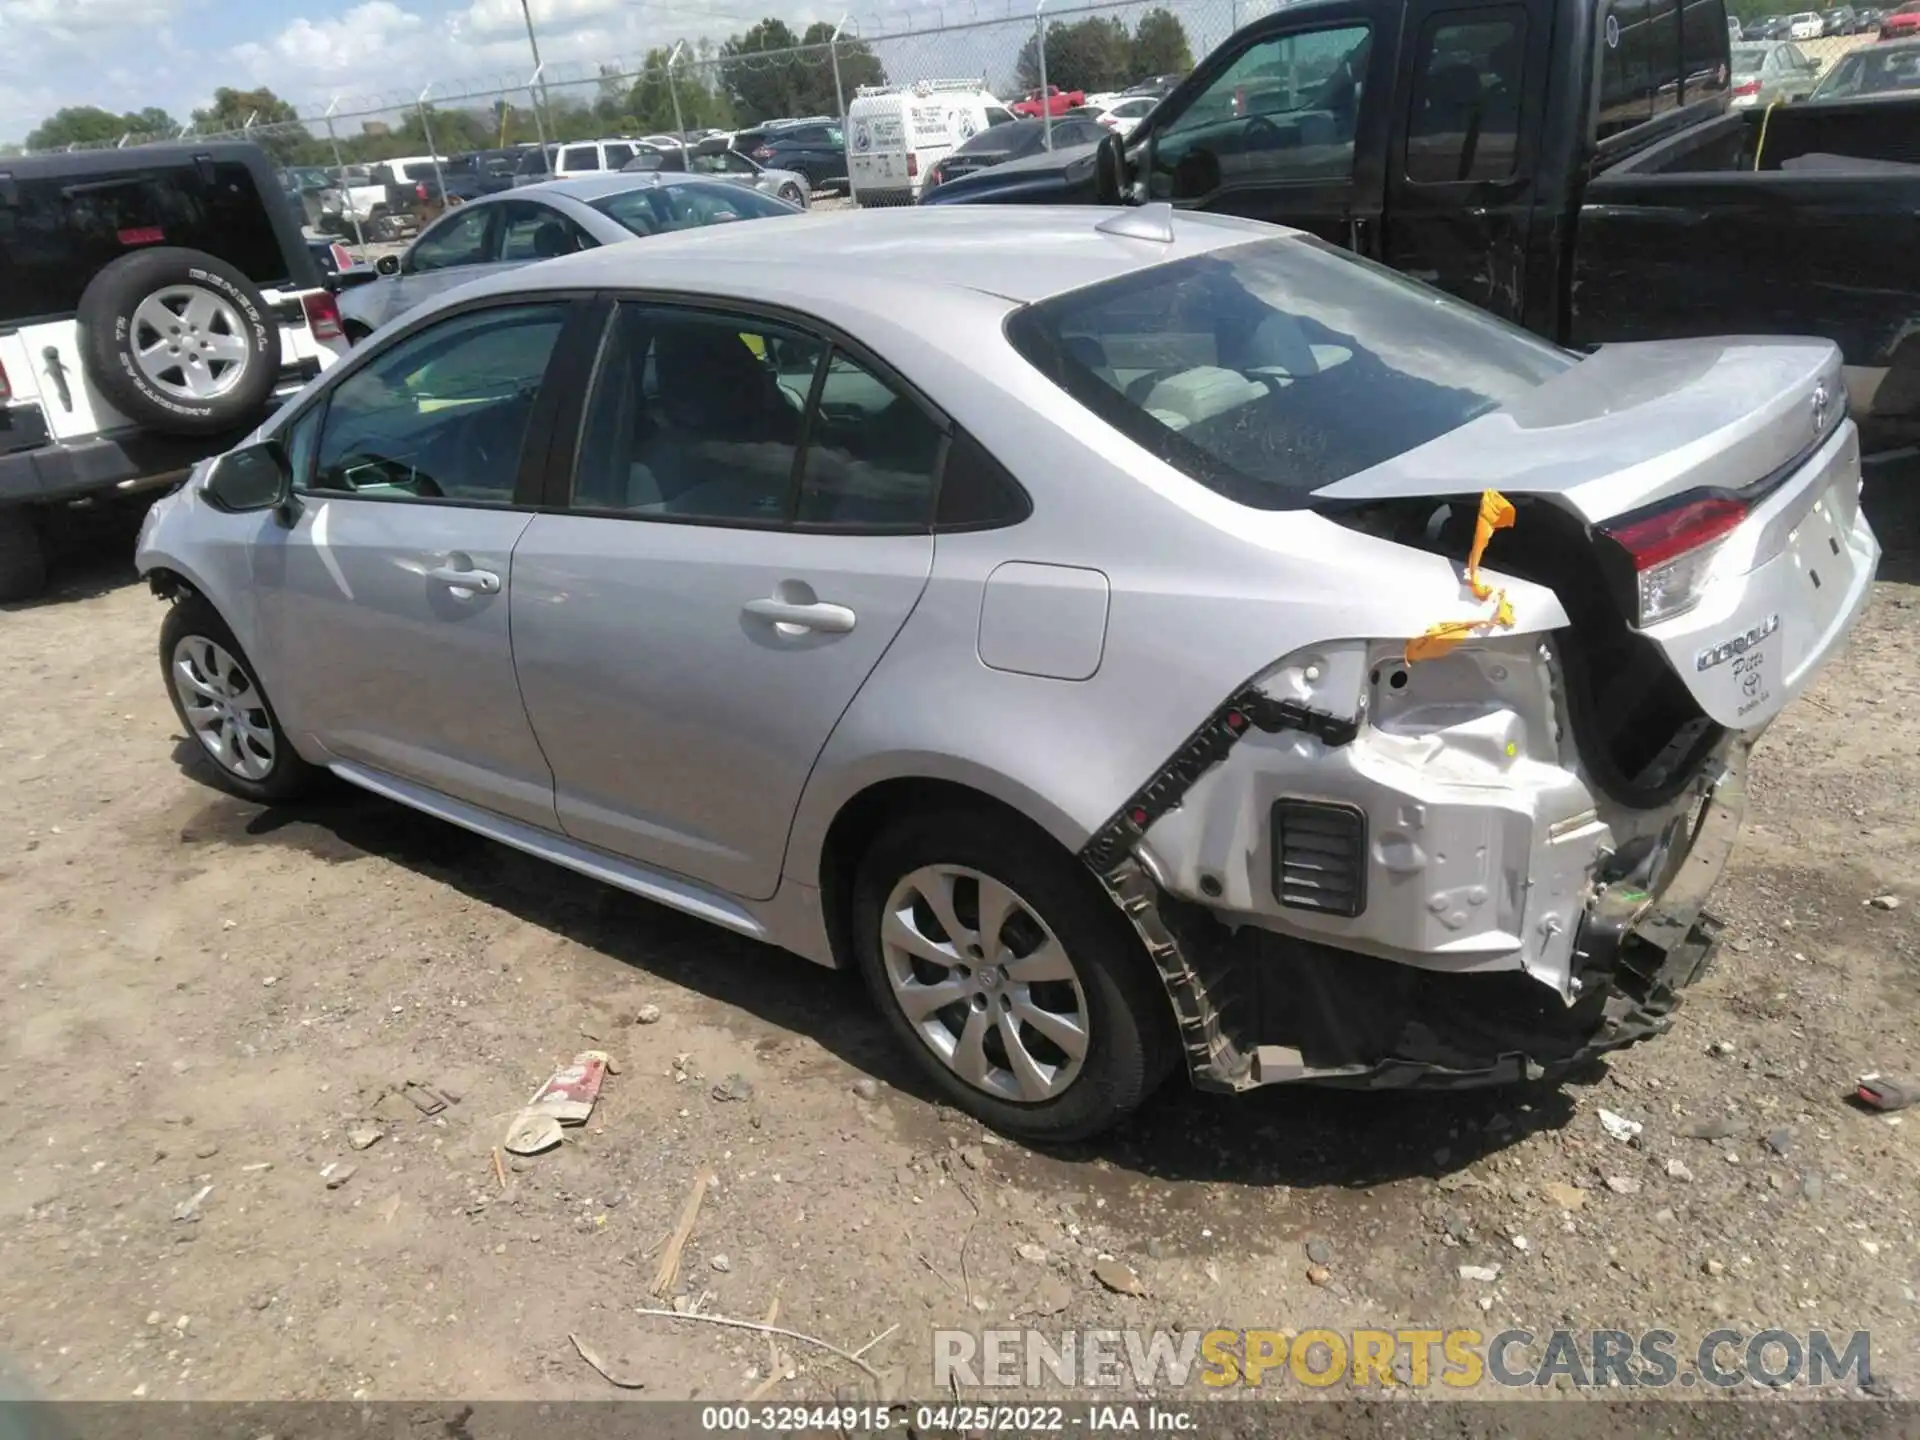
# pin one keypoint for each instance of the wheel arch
(831, 859)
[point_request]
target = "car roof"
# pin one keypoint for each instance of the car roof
(1023, 253)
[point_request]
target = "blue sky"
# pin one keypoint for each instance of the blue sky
(126, 54)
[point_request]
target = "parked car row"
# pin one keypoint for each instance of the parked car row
(1817, 24)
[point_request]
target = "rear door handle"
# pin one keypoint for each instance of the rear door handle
(792, 617)
(483, 581)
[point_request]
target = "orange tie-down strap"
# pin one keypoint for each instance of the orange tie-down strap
(1496, 513)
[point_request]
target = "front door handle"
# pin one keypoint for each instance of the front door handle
(484, 582)
(792, 617)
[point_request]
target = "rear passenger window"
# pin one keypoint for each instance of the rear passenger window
(1466, 98)
(580, 157)
(702, 417)
(695, 416)
(57, 233)
(873, 455)
(1656, 55)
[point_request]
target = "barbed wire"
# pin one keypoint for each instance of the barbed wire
(949, 39)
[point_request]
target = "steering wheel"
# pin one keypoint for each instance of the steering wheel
(1260, 134)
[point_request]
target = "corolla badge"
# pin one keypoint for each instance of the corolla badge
(1820, 398)
(1735, 645)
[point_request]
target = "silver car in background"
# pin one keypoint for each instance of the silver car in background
(502, 232)
(1769, 72)
(1135, 641)
(717, 158)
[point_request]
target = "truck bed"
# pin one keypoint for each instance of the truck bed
(1803, 222)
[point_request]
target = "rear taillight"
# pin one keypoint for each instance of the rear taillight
(1747, 87)
(420, 191)
(913, 165)
(323, 315)
(342, 257)
(933, 179)
(1672, 552)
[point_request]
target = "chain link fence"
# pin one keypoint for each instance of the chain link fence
(1010, 48)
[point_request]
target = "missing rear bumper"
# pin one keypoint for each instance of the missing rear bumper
(1256, 1007)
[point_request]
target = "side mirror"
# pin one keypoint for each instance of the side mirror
(255, 477)
(388, 264)
(1110, 170)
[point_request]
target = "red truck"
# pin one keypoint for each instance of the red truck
(1056, 100)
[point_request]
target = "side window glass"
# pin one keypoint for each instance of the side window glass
(695, 416)
(461, 240)
(618, 155)
(443, 414)
(1640, 64)
(977, 492)
(581, 157)
(536, 232)
(873, 455)
(1286, 110)
(1466, 99)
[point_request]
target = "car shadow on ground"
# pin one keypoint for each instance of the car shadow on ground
(1293, 1137)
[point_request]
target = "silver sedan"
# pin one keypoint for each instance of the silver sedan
(518, 227)
(1135, 641)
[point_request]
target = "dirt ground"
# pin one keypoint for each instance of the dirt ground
(201, 993)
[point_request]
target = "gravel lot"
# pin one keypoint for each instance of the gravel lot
(205, 994)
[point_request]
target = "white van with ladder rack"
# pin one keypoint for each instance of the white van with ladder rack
(896, 132)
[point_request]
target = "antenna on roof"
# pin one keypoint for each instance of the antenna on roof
(1141, 222)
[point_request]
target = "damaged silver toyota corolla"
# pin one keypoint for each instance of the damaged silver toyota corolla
(1127, 638)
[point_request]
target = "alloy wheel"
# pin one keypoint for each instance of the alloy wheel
(190, 342)
(985, 983)
(224, 708)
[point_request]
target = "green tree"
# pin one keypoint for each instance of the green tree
(265, 118)
(90, 125)
(703, 105)
(1160, 46)
(770, 72)
(454, 131)
(1091, 54)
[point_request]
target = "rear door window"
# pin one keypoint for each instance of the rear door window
(60, 232)
(618, 155)
(580, 157)
(1656, 55)
(1465, 117)
(1266, 371)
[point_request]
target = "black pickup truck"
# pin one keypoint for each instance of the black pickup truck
(1571, 165)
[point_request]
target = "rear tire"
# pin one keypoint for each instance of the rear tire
(234, 729)
(791, 194)
(1060, 954)
(179, 341)
(23, 555)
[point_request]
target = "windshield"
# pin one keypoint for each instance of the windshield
(1872, 72)
(1268, 370)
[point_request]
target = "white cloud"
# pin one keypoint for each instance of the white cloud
(325, 50)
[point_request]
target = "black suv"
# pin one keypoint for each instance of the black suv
(155, 304)
(814, 147)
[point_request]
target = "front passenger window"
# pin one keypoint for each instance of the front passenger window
(1286, 110)
(443, 414)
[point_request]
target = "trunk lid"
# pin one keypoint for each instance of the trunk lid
(1748, 433)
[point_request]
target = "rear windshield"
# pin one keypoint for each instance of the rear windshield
(58, 233)
(999, 139)
(1268, 370)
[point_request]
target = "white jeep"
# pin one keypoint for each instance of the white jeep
(155, 305)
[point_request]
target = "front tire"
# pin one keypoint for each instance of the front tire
(791, 194)
(1016, 984)
(224, 709)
